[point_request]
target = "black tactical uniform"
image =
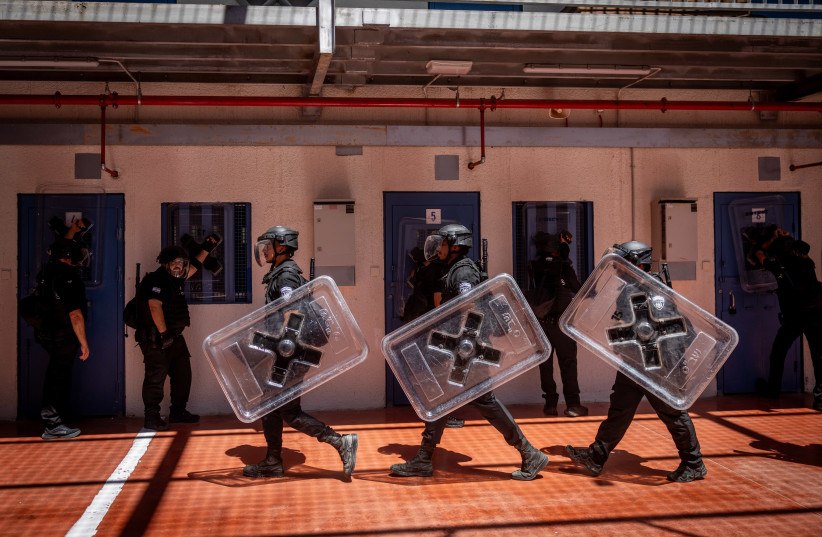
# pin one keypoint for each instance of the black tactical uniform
(426, 281)
(64, 285)
(553, 271)
(281, 280)
(173, 361)
(625, 400)
(463, 274)
(800, 304)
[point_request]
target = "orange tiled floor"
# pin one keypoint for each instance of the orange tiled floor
(764, 478)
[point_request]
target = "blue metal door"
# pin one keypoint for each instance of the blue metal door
(408, 218)
(743, 298)
(97, 383)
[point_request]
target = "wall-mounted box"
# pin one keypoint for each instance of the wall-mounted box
(674, 229)
(334, 251)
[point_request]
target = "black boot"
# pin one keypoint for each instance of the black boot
(155, 422)
(346, 445)
(183, 416)
(550, 407)
(271, 466)
(419, 466)
(533, 461)
(584, 456)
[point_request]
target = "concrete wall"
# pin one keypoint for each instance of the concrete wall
(282, 182)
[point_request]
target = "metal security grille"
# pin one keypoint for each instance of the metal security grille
(242, 251)
(230, 221)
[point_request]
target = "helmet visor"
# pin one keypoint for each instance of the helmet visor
(178, 267)
(431, 249)
(264, 251)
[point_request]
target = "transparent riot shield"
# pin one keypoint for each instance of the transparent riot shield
(285, 349)
(753, 221)
(648, 331)
(466, 347)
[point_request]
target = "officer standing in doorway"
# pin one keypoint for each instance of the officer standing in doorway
(277, 246)
(800, 307)
(162, 315)
(63, 333)
(451, 244)
(625, 400)
(553, 271)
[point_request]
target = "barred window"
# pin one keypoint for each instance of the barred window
(230, 281)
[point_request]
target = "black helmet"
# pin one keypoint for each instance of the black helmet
(265, 244)
(456, 235)
(283, 235)
(170, 253)
(635, 252)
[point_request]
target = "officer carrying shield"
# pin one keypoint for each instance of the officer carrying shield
(451, 244)
(277, 246)
(162, 317)
(625, 400)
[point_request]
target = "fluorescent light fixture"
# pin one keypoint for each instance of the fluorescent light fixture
(586, 70)
(46, 64)
(447, 67)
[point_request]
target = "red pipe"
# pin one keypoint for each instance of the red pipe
(167, 100)
(113, 173)
(472, 165)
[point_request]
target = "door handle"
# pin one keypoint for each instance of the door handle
(732, 307)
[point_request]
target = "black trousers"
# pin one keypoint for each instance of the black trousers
(173, 363)
(56, 403)
(791, 329)
(490, 409)
(292, 414)
(565, 349)
(624, 401)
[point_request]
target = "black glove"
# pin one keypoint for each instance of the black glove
(211, 242)
(166, 339)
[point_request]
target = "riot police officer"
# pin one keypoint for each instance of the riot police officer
(451, 244)
(162, 316)
(552, 270)
(63, 333)
(625, 400)
(800, 307)
(277, 246)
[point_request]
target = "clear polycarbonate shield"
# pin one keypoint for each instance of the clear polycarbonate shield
(431, 250)
(648, 331)
(753, 221)
(285, 349)
(466, 347)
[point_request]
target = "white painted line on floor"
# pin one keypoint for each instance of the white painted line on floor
(86, 526)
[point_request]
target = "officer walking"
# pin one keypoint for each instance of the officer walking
(162, 316)
(63, 333)
(451, 244)
(625, 400)
(277, 246)
(552, 270)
